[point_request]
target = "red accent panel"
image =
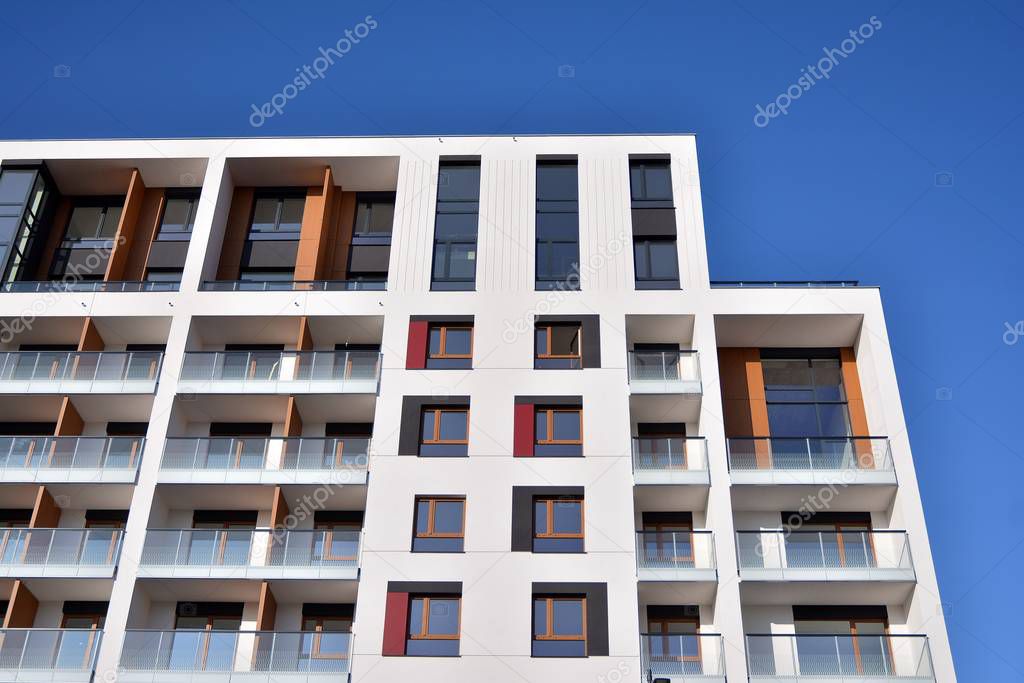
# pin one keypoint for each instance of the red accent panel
(416, 352)
(522, 435)
(396, 627)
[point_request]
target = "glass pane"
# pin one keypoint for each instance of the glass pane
(566, 426)
(540, 338)
(540, 616)
(8, 226)
(427, 431)
(440, 261)
(558, 226)
(85, 222)
(792, 419)
(456, 183)
(177, 216)
(664, 260)
(567, 618)
(556, 181)
(291, 214)
(463, 261)
(636, 181)
(448, 517)
(540, 425)
(458, 342)
(444, 617)
(566, 517)
(455, 226)
(264, 215)
(658, 181)
(787, 380)
(565, 340)
(435, 341)
(453, 426)
(640, 261)
(834, 421)
(540, 517)
(375, 218)
(828, 379)
(14, 186)
(422, 516)
(415, 616)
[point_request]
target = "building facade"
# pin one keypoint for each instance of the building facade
(454, 408)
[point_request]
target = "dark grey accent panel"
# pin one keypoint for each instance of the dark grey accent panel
(167, 254)
(522, 511)
(654, 222)
(591, 325)
(425, 587)
(412, 407)
(597, 610)
(366, 258)
(576, 401)
(442, 319)
(838, 612)
(83, 262)
(270, 254)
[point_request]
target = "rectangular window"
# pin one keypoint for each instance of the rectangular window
(655, 256)
(805, 397)
(444, 431)
(650, 183)
(277, 216)
(440, 524)
(455, 226)
(370, 249)
(85, 248)
(179, 217)
(656, 263)
(558, 524)
(450, 346)
(375, 214)
(557, 225)
(433, 626)
(559, 626)
(558, 432)
(558, 346)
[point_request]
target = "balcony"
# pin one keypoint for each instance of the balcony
(670, 460)
(66, 553)
(664, 372)
(683, 658)
(818, 461)
(856, 565)
(61, 655)
(267, 656)
(274, 372)
(61, 286)
(676, 556)
(79, 372)
(252, 553)
(838, 658)
(294, 286)
(77, 459)
(249, 460)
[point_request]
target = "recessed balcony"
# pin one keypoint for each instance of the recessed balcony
(77, 459)
(252, 553)
(255, 460)
(91, 286)
(676, 556)
(821, 658)
(273, 372)
(663, 372)
(670, 460)
(62, 553)
(683, 658)
(294, 286)
(61, 655)
(258, 656)
(79, 372)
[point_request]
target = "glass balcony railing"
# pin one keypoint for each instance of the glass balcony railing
(39, 286)
(675, 550)
(69, 454)
(70, 651)
(664, 372)
(56, 551)
(359, 370)
(783, 284)
(77, 371)
(294, 285)
(812, 454)
(252, 548)
(849, 657)
(296, 454)
(669, 454)
(855, 551)
(682, 654)
(254, 652)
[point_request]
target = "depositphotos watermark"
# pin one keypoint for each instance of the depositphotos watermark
(810, 75)
(308, 74)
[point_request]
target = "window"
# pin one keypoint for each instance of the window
(558, 525)
(325, 636)
(370, 249)
(90, 235)
(650, 183)
(655, 257)
(450, 346)
(557, 223)
(444, 431)
(558, 346)
(559, 626)
(656, 262)
(455, 226)
(277, 216)
(805, 397)
(179, 217)
(93, 223)
(336, 542)
(558, 431)
(433, 625)
(375, 214)
(440, 524)
(673, 639)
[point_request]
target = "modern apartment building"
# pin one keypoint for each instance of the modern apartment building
(435, 409)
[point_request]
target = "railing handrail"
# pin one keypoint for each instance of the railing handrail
(35, 629)
(125, 286)
(785, 283)
(284, 352)
(836, 635)
(223, 630)
(813, 453)
(787, 532)
(702, 634)
(663, 352)
(292, 285)
(68, 370)
(663, 533)
(253, 529)
(45, 461)
(804, 438)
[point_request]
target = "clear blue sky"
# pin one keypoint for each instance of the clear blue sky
(850, 183)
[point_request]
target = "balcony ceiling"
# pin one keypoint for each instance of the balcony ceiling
(111, 176)
(351, 174)
(788, 331)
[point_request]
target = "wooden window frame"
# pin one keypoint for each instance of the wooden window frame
(424, 632)
(854, 527)
(431, 505)
(206, 630)
(443, 331)
(438, 410)
(550, 601)
(318, 631)
(666, 636)
(658, 529)
(547, 355)
(550, 516)
(223, 529)
(549, 441)
(329, 528)
(119, 525)
(93, 630)
(856, 641)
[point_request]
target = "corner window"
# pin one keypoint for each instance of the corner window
(444, 431)
(558, 525)
(178, 219)
(450, 346)
(455, 226)
(433, 626)
(558, 431)
(277, 216)
(558, 346)
(557, 226)
(559, 626)
(440, 524)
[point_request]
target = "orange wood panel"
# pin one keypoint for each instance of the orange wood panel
(145, 230)
(124, 239)
(45, 513)
(21, 610)
(266, 610)
(69, 422)
(292, 419)
(235, 232)
(90, 339)
(311, 254)
(278, 509)
(855, 406)
(305, 340)
(343, 226)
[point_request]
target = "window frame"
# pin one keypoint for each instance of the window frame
(432, 501)
(641, 199)
(550, 502)
(279, 196)
(329, 528)
(648, 278)
(438, 410)
(569, 281)
(549, 635)
(547, 355)
(458, 206)
(665, 635)
(550, 417)
(190, 219)
(318, 631)
(814, 401)
(443, 329)
(424, 633)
